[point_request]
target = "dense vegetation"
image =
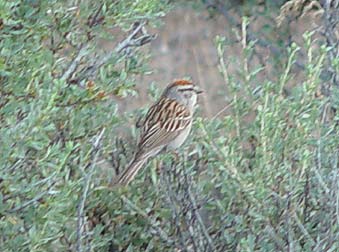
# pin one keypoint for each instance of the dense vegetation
(262, 178)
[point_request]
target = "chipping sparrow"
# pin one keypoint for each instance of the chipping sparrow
(165, 127)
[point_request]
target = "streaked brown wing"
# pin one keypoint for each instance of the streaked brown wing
(163, 123)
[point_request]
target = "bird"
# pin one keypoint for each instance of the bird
(165, 127)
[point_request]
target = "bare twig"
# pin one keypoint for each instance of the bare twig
(199, 219)
(172, 198)
(75, 62)
(133, 40)
(87, 180)
(277, 240)
(221, 111)
(137, 38)
(82, 49)
(302, 228)
(191, 232)
(34, 200)
(94, 18)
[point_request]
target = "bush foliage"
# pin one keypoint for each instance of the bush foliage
(265, 184)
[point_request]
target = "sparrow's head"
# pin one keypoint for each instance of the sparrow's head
(183, 91)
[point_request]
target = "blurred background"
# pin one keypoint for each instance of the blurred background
(186, 45)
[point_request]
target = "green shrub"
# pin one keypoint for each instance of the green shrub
(265, 184)
(56, 84)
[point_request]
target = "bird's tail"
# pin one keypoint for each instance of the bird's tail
(128, 174)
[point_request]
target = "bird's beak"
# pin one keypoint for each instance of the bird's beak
(198, 90)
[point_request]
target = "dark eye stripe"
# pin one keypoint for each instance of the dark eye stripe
(186, 89)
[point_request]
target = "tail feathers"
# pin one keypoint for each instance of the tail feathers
(128, 174)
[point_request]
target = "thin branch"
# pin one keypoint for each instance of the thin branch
(277, 240)
(172, 198)
(221, 111)
(89, 172)
(199, 219)
(137, 38)
(303, 229)
(93, 19)
(75, 62)
(193, 234)
(133, 40)
(162, 234)
(34, 200)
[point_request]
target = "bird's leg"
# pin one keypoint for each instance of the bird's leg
(158, 166)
